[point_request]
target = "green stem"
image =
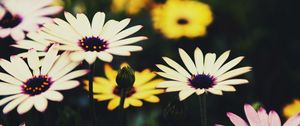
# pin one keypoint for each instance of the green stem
(91, 94)
(121, 107)
(203, 109)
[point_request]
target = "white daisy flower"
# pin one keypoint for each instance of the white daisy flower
(19, 16)
(86, 40)
(26, 87)
(206, 74)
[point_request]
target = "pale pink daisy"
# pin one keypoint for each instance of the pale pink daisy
(20, 16)
(205, 74)
(261, 118)
(26, 87)
(87, 40)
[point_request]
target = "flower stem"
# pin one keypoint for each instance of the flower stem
(203, 109)
(121, 107)
(91, 94)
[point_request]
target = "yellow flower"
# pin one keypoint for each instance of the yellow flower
(292, 109)
(131, 7)
(182, 18)
(143, 88)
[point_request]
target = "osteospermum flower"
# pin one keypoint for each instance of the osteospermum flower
(25, 87)
(88, 40)
(20, 16)
(23, 124)
(261, 118)
(182, 18)
(291, 109)
(206, 74)
(143, 89)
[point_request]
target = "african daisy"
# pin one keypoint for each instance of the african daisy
(20, 16)
(143, 89)
(86, 40)
(206, 74)
(261, 118)
(25, 87)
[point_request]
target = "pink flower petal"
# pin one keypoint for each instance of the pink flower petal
(236, 120)
(252, 115)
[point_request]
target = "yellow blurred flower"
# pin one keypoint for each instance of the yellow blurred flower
(130, 7)
(143, 88)
(58, 3)
(182, 18)
(292, 109)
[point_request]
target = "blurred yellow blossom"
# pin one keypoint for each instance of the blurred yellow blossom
(105, 88)
(182, 18)
(130, 7)
(292, 109)
(58, 3)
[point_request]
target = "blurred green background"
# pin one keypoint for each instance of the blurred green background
(266, 32)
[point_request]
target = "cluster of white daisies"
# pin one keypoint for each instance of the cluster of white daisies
(56, 47)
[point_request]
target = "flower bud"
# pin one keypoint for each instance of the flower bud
(125, 77)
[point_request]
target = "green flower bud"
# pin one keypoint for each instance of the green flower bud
(125, 77)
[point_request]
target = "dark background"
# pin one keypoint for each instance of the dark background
(266, 32)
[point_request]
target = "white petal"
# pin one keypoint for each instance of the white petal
(53, 95)
(28, 44)
(9, 98)
(9, 89)
(209, 62)
(61, 62)
(171, 77)
(73, 21)
(40, 103)
(4, 32)
(17, 34)
(125, 33)
(233, 82)
(116, 29)
(127, 41)
(188, 62)
(64, 71)
(228, 66)
(105, 56)
(72, 75)
(85, 25)
(177, 67)
(225, 88)
(219, 62)
(183, 94)
(172, 72)
(21, 66)
(25, 106)
(77, 56)
(33, 60)
(198, 56)
(233, 73)
(215, 91)
(11, 69)
(167, 84)
(200, 91)
(66, 85)
(108, 28)
(179, 88)
(13, 104)
(9, 79)
(49, 60)
(90, 57)
(97, 23)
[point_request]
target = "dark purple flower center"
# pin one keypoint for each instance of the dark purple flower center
(129, 92)
(182, 21)
(93, 44)
(9, 20)
(37, 85)
(202, 81)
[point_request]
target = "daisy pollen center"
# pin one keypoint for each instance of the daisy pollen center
(37, 85)
(129, 92)
(182, 21)
(93, 44)
(9, 20)
(202, 81)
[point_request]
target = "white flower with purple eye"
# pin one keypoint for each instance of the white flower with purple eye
(19, 16)
(26, 87)
(206, 74)
(261, 118)
(86, 40)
